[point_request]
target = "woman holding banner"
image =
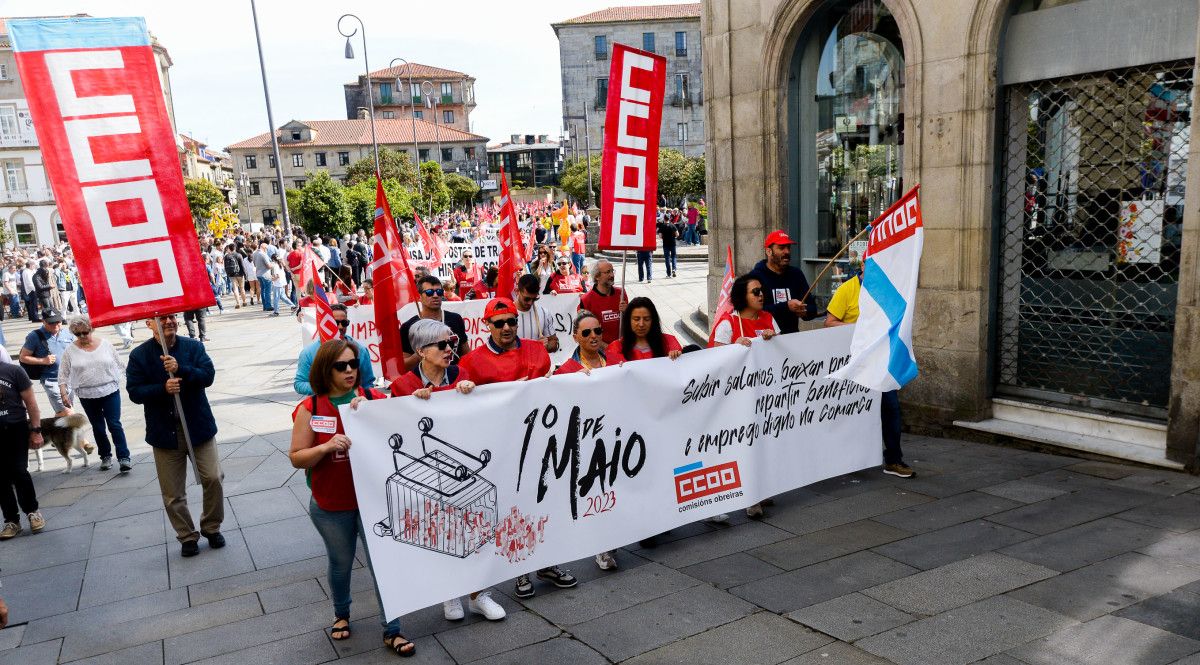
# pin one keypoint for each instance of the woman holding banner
(565, 281)
(320, 446)
(748, 318)
(588, 334)
(642, 337)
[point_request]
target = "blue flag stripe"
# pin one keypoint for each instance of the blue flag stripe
(48, 34)
(875, 281)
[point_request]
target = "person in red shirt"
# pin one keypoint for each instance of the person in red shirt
(435, 343)
(605, 300)
(578, 240)
(565, 281)
(641, 335)
(320, 445)
(467, 275)
(368, 296)
(588, 353)
(344, 288)
(748, 318)
(506, 357)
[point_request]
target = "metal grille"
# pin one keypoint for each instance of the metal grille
(1091, 207)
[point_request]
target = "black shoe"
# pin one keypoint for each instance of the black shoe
(191, 548)
(560, 578)
(215, 540)
(523, 588)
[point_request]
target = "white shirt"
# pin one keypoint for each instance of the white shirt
(91, 374)
(534, 324)
(27, 278)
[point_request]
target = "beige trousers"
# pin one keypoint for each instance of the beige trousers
(172, 481)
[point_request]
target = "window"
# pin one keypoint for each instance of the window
(14, 175)
(255, 190)
(681, 132)
(447, 93)
(58, 227)
(270, 161)
(682, 90)
(648, 41)
(295, 134)
(389, 115)
(298, 184)
(251, 162)
(601, 47)
(23, 226)
(297, 159)
(469, 152)
(419, 115)
(319, 158)
(343, 158)
(3, 71)
(385, 93)
(447, 154)
(268, 215)
(275, 187)
(448, 117)
(415, 91)
(601, 93)
(681, 44)
(8, 122)
(424, 155)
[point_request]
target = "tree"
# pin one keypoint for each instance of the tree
(393, 165)
(671, 167)
(693, 178)
(360, 199)
(322, 206)
(462, 189)
(293, 204)
(434, 190)
(202, 197)
(574, 180)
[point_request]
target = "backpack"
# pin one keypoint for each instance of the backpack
(233, 264)
(34, 372)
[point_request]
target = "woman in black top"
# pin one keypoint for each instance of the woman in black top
(20, 431)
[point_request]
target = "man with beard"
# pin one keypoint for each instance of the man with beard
(605, 301)
(783, 284)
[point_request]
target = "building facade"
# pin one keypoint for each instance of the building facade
(200, 161)
(433, 94)
(584, 45)
(332, 146)
(1059, 297)
(27, 206)
(533, 160)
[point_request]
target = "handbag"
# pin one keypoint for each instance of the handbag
(34, 372)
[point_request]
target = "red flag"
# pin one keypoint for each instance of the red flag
(327, 327)
(309, 268)
(533, 227)
(724, 304)
(394, 285)
(509, 236)
(433, 249)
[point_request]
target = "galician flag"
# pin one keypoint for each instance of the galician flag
(881, 355)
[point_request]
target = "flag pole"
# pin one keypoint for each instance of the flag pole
(624, 263)
(830, 263)
(187, 436)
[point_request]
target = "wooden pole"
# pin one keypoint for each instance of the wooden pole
(832, 261)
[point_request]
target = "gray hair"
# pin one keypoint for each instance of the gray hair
(425, 332)
(79, 322)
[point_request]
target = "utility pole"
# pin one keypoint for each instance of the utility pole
(262, 65)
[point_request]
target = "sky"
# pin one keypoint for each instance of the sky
(508, 46)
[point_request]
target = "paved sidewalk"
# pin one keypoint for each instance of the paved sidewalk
(990, 553)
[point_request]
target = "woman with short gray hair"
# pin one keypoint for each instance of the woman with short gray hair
(91, 370)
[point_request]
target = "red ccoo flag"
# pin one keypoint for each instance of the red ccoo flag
(327, 327)
(724, 303)
(511, 250)
(394, 285)
(432, 249)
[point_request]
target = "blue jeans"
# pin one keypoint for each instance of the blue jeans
(103, 411)
(280, 293)
(645, 258)
(577, 260)
(889, 414)
(340, 529)
(669, 258)
(14, 305)
(265, 289)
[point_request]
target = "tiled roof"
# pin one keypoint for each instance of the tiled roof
(638, 13)
(358, 132)
(418, 71)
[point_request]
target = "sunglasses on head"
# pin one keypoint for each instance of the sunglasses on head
(343, 365)
(511, 323)
(588, 332)
(434, 292)
(443, 344)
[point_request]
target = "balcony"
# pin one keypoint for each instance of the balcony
(416, 99)
(39, 195)
(686, 101)
(447, 99)
(18, 140)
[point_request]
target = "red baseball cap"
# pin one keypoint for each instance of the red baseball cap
(499, 306)
(777, 238)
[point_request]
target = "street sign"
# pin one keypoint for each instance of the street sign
(488, 185)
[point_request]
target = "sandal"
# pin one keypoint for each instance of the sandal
(401, 645)
(340, 632)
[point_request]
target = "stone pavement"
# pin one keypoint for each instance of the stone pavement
(991, 554)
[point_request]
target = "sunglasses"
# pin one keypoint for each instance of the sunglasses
(756, 292)
(444, 344)
(83, 333)
(434, 292)
(588, 332)
(344, 365)
(344, 324)
(511, 323)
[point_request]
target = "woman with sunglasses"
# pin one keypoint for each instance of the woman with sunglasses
(436, 345)
(320, 445)
(565, 281)
(91, 370)
(748, 318)
(641, 335)
(544, 268)
(589, 353)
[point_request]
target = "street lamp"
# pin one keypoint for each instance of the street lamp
(436, 125)
(413, 107)
(367, 67)
(243, 185)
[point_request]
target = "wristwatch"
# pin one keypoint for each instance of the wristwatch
(35, 430)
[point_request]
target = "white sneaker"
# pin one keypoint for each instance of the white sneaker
(452, 609)
(606, 561)
(483, 604)
(723, 518)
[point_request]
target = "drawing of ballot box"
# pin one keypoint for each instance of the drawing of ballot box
(437, 501)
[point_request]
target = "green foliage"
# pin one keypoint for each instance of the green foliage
(293, 204)
(574, 179)
(360, 200)
(393, 165)
(322, 206)
(693, 177)
(434, 189)
(462, 189)
(671, 165)
(202, 197)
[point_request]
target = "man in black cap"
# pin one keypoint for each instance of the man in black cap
(40, 353)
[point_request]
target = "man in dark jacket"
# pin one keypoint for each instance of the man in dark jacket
(784, 284)
(43, 284)
(153, 380)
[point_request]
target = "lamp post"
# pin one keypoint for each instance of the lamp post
(243, 186)
(413, 115)
(436, 124)
(587, 137)
(287, 221)
(367, 67)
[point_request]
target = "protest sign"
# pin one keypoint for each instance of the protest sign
(556, 469)
(487, 255)
(109, 150)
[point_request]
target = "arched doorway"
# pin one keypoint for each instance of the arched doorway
(24, 228)
(845, 128)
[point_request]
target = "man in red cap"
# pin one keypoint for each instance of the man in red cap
(506, 357)
(784, 284)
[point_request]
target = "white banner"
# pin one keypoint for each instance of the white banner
(553, 470)
(560, 308)
(487, 254)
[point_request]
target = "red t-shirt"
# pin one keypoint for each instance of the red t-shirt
(307, 301)
(341, 289)
(366, 300)
(466, 278)
(332, 481)
(569, 283)
(608, 308)
(294, 259)
(528, 361)
(577, 240)
(411, 382)
(451, 296)
(614, 355)
(742, 327)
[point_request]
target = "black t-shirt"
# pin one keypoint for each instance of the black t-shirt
(453, 321)
(13, 381)
(668, 232)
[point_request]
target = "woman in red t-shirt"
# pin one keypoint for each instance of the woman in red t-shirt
(589, 339)
(435, 343)
(467, 275)
(368, 296)
(565, 281)
(748, 318)
(641, 335)
(344, 289)
(320, 445)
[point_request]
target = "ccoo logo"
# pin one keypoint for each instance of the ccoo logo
(693, 481)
